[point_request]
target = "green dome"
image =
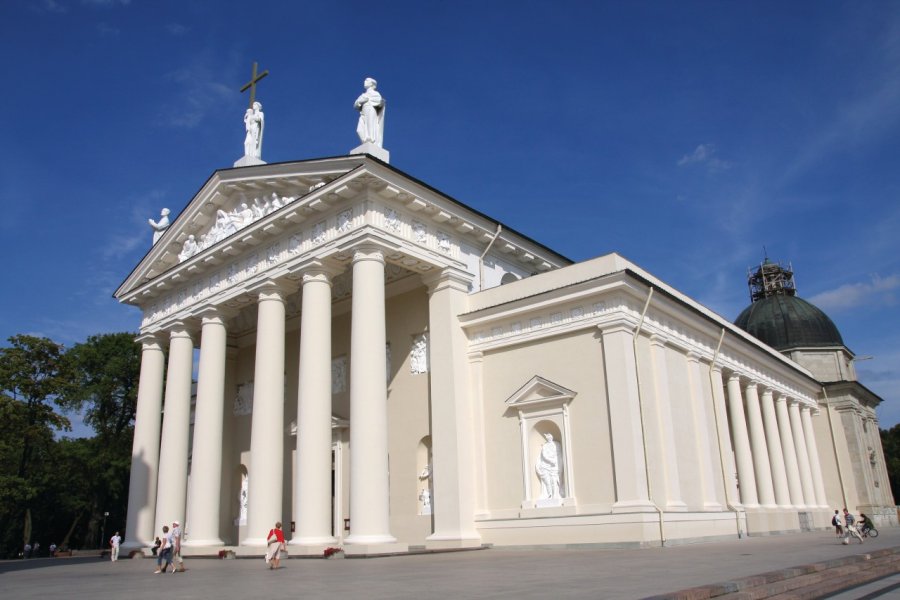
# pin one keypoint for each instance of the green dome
(784, 322)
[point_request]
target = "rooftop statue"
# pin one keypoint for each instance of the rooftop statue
(254, 121)
(370, 105)
(159, 227)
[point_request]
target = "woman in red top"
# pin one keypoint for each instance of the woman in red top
(275, 540)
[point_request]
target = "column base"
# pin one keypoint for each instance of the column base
(447, 543)
(192, 543)
(363, 550)
(676, 506)
(323, 541)
(260, 542)
(633, 506)
(308, 550)
(382, 538)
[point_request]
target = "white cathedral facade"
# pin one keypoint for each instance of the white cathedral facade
(385, 369)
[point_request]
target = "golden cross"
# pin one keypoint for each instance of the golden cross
(254, 79)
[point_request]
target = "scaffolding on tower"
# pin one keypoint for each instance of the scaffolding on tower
(771, 279)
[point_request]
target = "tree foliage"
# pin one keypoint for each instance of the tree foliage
(57, 490)
(890, 443)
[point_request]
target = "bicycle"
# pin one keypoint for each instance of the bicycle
(868, 531)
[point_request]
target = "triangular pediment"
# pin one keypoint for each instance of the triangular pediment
(225, 191)
(252, 225)
(540, 391)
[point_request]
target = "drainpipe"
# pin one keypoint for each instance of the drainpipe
(837, 459)
(725, 473)
(481, 258)
(637, 371)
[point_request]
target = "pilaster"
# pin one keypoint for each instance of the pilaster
(453, 473)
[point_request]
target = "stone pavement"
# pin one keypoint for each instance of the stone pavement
(601, 573)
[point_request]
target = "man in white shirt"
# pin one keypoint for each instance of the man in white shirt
(114, 543)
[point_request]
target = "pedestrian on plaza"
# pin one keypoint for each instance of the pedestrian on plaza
(164, 557)
(275, 542)
(838, 523)
(156, 544)
(177, 561)
(850, 528)
(114, 542)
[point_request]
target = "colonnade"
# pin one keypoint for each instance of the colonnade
(774, 447)
(159, 474)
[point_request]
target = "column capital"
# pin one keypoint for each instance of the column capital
(781, 398)
(180, 329)
(716, 368)
(368, 252)
(271, 289)
(751, 384)
(659, 341)
(766, 391)
(448, 277)
(149, 341)
(213, 314)
(476, 357)
(734, 376)
(692, 356)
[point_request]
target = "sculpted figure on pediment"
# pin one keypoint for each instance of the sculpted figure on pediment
(275, 203)
(159, 227)
(189, 249)
(245, 214)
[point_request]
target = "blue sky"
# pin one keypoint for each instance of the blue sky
(684, 135)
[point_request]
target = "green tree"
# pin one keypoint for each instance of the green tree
(102, 382)
(890, 442)
(31, 374)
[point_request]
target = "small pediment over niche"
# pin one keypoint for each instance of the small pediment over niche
(540, 391)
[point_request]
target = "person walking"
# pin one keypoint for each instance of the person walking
(114, 542)
(177, 561)
(850, 528)
(275, 541)
(838, 523)
(164, 556)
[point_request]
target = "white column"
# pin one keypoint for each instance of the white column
(742, 452)
(726, 451)
(760, 449)
(776, 456)
(452, 439)
(265, 475)
(623, 399)
(661, 443)
(703, 443)
(171, 493)
(139, 525)
(312, 494)
(809, 492)
(813, 452)
(790, 452)
(369, 483)
(202, 524)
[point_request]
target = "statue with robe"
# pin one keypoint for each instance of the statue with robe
(370, 105)
(548, 468)
(159, 227)
(254, 122)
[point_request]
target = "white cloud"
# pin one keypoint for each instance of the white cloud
(201, 92)
(176, 29)
(705, 154)
(880, 290)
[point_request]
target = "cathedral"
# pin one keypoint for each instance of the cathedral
(385, 369)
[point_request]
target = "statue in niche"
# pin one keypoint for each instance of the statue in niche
(548, 468)
(370, 105)
(418, 356)
(159, 227)
(245, 489)
(425, 497)
(189, 249)
(254, 122)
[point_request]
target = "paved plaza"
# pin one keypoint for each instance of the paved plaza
(491, 573)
